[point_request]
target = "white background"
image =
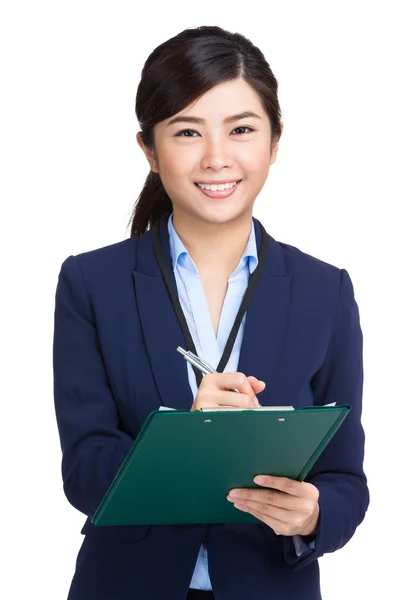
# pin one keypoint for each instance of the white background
(71, 171)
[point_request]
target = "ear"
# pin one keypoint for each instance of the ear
(276, 146)
(149, 154)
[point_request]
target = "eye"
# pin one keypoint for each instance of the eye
(181, 133)
(244, 127)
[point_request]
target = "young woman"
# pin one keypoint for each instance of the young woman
(210, 124)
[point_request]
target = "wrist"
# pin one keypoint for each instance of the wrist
(311, 528)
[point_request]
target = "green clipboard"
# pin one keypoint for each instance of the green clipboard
(182, 464)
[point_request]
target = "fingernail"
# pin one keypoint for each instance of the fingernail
(255, 402)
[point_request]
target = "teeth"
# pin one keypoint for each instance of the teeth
(214, 187)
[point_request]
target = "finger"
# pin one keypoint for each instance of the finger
(300, 489)
(230, 399)
(279, 527)
(229, 381)
(215, 397)
(294, 524)
(279, 514)
(257, 384)
(243, 385)
(273, 498)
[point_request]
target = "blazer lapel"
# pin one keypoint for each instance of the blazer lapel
(161, 329)
(266, 321)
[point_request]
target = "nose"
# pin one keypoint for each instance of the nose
(216, 155)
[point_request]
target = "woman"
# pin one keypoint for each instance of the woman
(210, 128)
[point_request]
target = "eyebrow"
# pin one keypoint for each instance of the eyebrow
(185, 119)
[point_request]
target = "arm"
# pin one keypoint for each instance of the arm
(93, 446)
(338, 474)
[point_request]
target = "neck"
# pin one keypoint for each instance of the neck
(214, 248)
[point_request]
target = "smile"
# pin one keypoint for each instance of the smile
(222, 190)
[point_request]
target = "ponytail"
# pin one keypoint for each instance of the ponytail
(152, 204)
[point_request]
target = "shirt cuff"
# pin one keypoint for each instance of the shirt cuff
(301, 546)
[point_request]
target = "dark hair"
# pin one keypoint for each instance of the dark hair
(178, 72)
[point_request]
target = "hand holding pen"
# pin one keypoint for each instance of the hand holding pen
(223, 389)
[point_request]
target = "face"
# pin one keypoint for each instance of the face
(212, 142)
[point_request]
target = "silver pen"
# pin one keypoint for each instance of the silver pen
(195, 361)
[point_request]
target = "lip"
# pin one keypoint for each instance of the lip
(220, 193)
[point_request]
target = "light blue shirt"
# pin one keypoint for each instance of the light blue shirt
(210, 347)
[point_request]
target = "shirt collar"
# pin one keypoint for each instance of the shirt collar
(176, 246)
(178, 250)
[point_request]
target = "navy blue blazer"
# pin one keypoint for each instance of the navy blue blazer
(115, 361)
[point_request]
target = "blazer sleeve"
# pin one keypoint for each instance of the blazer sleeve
(92, 443)
(338, 474)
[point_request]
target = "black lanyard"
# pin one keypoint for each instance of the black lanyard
(173, 293)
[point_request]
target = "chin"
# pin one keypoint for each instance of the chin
(206, 213)
(220, 218)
